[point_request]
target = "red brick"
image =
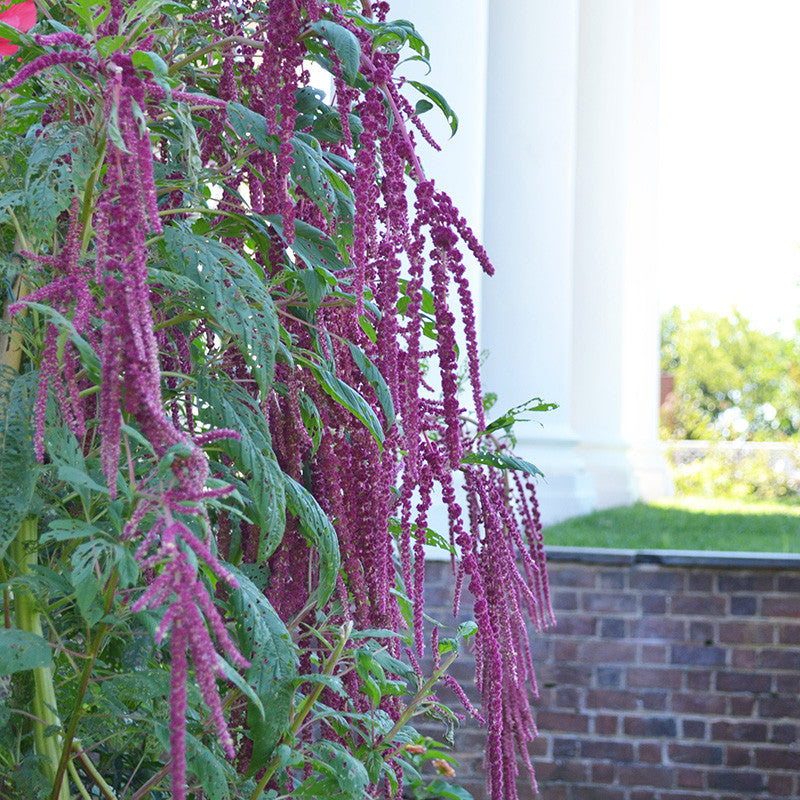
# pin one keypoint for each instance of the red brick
(742, 658)
(656, 578)
(654, 654)
(568, 697)
(698, 680)
(606, 724)
(567, 576)
(700, 582)
(654, 604)
(762, 582)
(616, 699)
(778, 759)
(789, 583)
(612, 628)
(605, 652)
(564, 601)
(781, 606)
(653, 701)
(746, 633)
(698, 655)
(698, 605)
(642, 678)
(647, 775)
(787, 684)
(566, 651)
(784, 733)
(789, 634)
(608, 603)
(656, 727)
(659, 628)
(570, 771)
(643, 794)
(691, 778)
(744, 605)
(603, 773)
(736, 780)
(739, 731)
(693, 729)
(701, 631)
(776, 707)
(574, 625)
(695, 753)
(649, 753)
(565, 748)
(736, 756)
(741, 705)
(779, 659)
(779, 785)
(561, 722)
(612, 579)
(698, 704)
(619, 752)
(743, 682)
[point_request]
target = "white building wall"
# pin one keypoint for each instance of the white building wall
(555, 166)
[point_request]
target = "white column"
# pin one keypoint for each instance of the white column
(615, 316)
(528, 231)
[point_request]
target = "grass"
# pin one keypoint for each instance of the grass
(686, 523)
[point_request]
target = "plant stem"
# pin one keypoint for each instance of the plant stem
(72, 726)
(29, 619)
(307, 705)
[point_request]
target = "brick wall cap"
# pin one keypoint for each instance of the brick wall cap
(674, 558)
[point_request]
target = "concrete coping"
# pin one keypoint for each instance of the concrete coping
(674, 558)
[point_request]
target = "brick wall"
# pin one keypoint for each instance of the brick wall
(667, 677)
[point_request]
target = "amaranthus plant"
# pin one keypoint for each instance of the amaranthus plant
(230, 395)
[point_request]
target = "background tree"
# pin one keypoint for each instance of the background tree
(731, 381)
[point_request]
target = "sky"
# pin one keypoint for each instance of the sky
(729, 195)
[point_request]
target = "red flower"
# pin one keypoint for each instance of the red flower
(21, 16)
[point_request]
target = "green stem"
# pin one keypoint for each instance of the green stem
(421, 694)
(29, 619)
(307, 705)
(72, 726)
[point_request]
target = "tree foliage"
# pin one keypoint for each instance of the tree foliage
(731, 381)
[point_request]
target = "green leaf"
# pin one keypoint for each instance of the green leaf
(248, 123)
(513, 415)
(376, 380)
(89, 358)
(344, 44)
(501, 461)
(234, 295)
(345, 777)
(265, 642)
(438, 100)
(346, 396)
(320, 533)
(224, 405)
(21, 650)
(310, 244)
(17, 461)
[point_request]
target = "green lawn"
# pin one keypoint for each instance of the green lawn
(686, 523)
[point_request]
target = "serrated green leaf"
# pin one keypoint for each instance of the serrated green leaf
(501, 461)
(17, 460)
(265, 642)
(234, 296)
(320, 533)
(22, 650)
(226, 406)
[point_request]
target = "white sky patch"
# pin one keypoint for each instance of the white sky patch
(730, 158)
